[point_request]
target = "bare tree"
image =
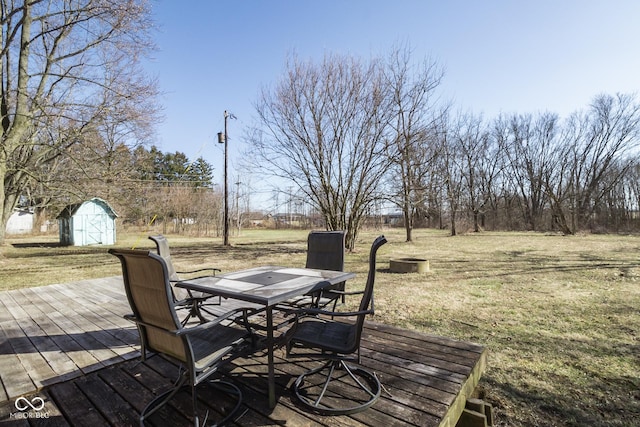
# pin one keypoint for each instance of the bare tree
(631, 192)
(478, 163)
(323, 129)
(528, 142)
(490, 167)
(451, 167)
(609, 150)
(596, 151)
(414, 111)
(64, 67)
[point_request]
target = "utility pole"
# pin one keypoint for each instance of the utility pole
(223, 139)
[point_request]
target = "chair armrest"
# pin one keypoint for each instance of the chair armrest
(190, 330)
(177, 281)
(318, 311)
(212, 269)
(134, 319)
(212, 323)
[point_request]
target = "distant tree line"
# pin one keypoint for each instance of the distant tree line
(349, 134)
(538, 172)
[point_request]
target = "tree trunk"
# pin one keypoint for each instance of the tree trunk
(409, 231)
(408, 223)
(453, 223)
(19, 126)
(476, 224)
(559, 217)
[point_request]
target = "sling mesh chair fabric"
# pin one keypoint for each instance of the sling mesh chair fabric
(339, 343)
(199, 349)
(195, 302)
(325, 251)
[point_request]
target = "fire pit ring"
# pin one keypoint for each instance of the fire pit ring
(408, 265)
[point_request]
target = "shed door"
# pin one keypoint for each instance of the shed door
(96, 229)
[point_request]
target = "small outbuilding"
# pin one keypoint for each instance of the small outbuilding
(20, 222)
(88, 223)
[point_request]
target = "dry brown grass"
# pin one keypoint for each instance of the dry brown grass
(560, 315)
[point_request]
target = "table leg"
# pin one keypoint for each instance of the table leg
(270, 359)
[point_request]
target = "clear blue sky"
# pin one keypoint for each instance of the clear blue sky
(499, 55)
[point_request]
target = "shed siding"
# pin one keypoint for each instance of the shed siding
(91, 223)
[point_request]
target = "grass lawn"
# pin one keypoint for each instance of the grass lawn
(559, 314)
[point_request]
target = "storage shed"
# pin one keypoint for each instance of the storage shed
(88, 223)
(20, 222)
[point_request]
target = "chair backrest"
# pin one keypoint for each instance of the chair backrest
(162, 246)
(325, 250)
(146, 282)
(367, 297)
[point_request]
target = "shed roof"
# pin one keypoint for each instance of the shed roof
(70, 210)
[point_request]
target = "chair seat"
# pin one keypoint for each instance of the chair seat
(207, 352)
(328, 335)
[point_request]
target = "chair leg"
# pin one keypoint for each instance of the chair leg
(162, 399)
(198, 313)
(316, 395)
(232, 390)
(194, 311)
(223, 386)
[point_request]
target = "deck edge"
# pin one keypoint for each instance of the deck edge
(451, 417)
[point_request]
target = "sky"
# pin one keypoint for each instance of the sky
(499, 56)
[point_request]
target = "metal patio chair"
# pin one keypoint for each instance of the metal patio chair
(325, 251)
(199, 349)
(195, 302)
(337, 342)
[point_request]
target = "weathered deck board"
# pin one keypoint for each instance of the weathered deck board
(59, 332)
(69, 345)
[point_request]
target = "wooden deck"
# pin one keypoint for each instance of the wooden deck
(69, 345)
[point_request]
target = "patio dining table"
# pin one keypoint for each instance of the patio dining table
(267, 286)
